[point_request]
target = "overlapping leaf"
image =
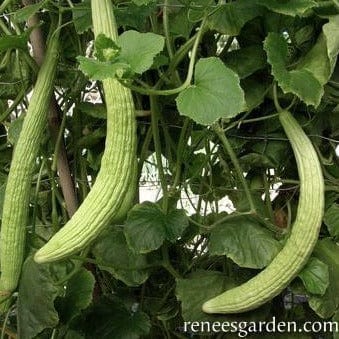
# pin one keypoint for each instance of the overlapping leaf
(300, 82)
(215, 94)
(147, 226)
(315, 276)
(244, 241)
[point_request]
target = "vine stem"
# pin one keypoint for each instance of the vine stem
(157, 146)
(228, 148)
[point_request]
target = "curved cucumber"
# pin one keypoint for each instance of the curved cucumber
(107, 198)
(294, 255)
(18, 188)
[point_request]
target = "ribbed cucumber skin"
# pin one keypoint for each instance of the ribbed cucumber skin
(116, 174)
(294, 255)
(18, 188)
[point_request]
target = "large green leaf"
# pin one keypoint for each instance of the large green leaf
(288, 7)
(331, 32)
(215, 94)
(139, 49)
(315, 276)
(245, 61)
(37, 293)
(82, 16)
(300, 82)
(201, 286)
(331, 219)
(147, 226)
(79, 291)
(245, 241)
(113, 255)
(112, 319)
(328, 252)
(229, 18)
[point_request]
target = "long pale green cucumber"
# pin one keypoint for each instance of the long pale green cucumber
(305, 230)
(18, 188)
(116, 174)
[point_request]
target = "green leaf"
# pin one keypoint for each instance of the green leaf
(139, 49)
(111, 319)
(288, 7)
(198, 288)
(245, 241)
(106, 49)
(300, 82)
(15, 129)
(79, 290)
(99, 70)
(328, 252)
(216, 93)
(13, 42)
(134, 16)
(331, 32)
(2, 198)
(231, 17)
(201, 286)
(37, 292)
(147, 227)
(315, 276)
(82, 16)
(97, 111)
(255, 91)
(198, 9)
(113, 255)
(246, 61)
(26, 12)
(331, 220)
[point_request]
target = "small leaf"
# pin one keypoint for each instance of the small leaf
(106, 49)
(147, 227)
(300, 81)
(331, 220)
(79, 290)
(139, 49)
(215, 94)
(328, 252)
(244, 241)
(26, 12)
(315, 276)
(37, 292)
(82, 16)
(98, 70)
(113, 255)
